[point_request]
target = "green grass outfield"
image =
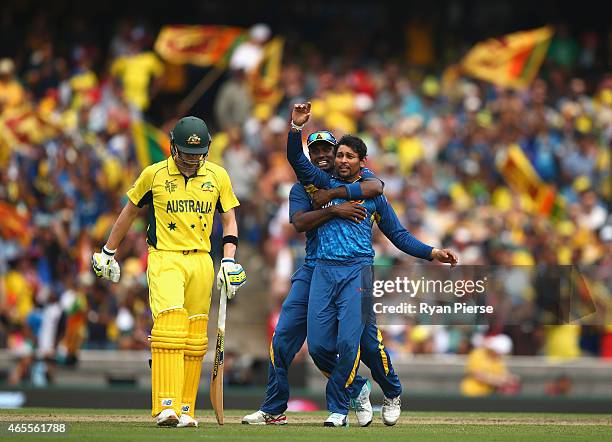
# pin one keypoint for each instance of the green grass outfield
(136, 425)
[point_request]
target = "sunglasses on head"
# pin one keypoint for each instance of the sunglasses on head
(321, 135)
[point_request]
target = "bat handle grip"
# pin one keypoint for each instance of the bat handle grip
(222, 310)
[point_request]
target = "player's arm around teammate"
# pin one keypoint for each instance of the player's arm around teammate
(308, 220)
(369, 188)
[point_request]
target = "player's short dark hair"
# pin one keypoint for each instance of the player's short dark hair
(355, 143)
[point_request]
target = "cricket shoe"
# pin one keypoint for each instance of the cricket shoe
(263, 418)
(336, 420)
(186, 421)
(167, 418)
(362, 406)
(391, 410)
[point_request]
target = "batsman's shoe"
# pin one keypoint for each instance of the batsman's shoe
(263, 418)
(336, 420)
(362, 406)
(167, 418)
(186, 421)
(391, 410)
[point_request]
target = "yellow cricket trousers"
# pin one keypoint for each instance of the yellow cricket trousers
(180, 279)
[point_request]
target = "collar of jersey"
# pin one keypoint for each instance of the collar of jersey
(173, 170)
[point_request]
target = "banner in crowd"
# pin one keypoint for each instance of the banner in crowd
(522, 178)
(203, 45)
(512, 60)
(151, 144)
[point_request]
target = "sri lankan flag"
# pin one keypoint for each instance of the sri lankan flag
(25, 125)
(200, 45)
(523, 179)
(509, 61)
(151, 144)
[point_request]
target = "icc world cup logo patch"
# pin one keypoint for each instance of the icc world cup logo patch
(170, 186)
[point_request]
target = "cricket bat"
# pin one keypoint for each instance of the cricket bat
(216, 375)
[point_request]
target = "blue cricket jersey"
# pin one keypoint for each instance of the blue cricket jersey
(339, 239)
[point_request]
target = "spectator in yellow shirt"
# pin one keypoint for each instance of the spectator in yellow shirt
(11, 92)
(83, 81)
(486, 372)
(140, 74)
(20, 285)
(562, 341)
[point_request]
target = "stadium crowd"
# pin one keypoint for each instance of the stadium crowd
(68, 156)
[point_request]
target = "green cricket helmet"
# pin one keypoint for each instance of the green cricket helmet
(191, 136)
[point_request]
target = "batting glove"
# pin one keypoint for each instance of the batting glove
(105, 266)
(231, 277)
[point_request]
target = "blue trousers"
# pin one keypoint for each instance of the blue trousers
(290, 335)
(339, 311)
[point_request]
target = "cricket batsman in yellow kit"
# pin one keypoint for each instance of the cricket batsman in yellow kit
(181, 194)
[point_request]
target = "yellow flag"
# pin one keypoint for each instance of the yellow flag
(509, 61)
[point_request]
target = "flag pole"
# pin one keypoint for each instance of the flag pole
(200, 89)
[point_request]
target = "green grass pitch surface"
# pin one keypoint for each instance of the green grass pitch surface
(136, 425)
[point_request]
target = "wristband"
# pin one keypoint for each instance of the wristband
(353, 191)
(230, 239)
(108, 252)
(295, 126)
(232, 260)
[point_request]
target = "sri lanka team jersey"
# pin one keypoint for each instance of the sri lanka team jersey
(340, 239)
